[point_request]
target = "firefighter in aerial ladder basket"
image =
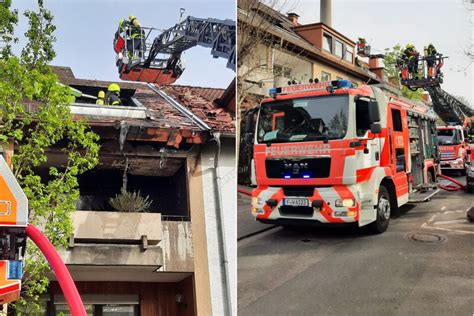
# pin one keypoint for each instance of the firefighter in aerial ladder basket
(129, 37)
(410, 60)
(431, 61)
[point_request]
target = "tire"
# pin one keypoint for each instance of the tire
(383, 209)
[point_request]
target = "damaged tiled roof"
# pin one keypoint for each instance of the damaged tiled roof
(200, 101)
(197, 100)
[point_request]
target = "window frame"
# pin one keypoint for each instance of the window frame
(351, 51)
(397, 123)
(325, 73)
(331, 39)
(336, 42)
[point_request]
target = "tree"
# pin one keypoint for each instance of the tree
(256, 43)
(34, 115)
(392, 72)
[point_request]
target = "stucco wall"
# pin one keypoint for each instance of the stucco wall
(228, 190)
(318, 68)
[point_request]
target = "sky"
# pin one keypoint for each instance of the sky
(86, 28)
(385, 23)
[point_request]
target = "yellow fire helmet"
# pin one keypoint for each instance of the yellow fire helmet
(101, 94)
(410, 46)
(114, 87)
(132, 17)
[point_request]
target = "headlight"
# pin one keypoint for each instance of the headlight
(345, 203)
(256, 201)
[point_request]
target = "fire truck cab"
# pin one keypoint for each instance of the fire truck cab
(334, 153)
(453, 147)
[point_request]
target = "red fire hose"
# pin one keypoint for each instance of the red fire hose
(455, 186)
(62, 274)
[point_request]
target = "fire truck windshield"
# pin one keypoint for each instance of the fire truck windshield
(448, 137)
(304, 119)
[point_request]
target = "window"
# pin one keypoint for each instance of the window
(362, 118)
(349, 55)
(397, 120)
(88, 92)
(325, 76)
(102, 309)
(339, 49)
(166, 188)
(304, 119)
(327, 42)
(400, 159)
(281, 71)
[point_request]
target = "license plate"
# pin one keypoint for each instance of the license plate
(296, 202)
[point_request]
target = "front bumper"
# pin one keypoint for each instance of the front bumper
(268, 205)
(457, 164)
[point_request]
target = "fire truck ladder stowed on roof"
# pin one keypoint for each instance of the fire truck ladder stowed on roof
(219, 35)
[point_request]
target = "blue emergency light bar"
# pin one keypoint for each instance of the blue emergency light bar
(314, 86)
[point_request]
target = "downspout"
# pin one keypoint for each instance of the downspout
(221, 227)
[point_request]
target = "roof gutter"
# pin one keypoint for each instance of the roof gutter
(181, 108)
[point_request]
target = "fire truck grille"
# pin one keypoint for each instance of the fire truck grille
(298, 211)
(298, 169)
(298, 191)
(447, 155)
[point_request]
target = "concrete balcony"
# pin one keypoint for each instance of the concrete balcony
(117, 227)
(118, 246)
(115, 239)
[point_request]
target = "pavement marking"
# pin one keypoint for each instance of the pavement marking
(431, 223)
(454, 221)
(447, 229)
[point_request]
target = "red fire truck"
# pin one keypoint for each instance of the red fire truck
(335, 153)
(453, 145)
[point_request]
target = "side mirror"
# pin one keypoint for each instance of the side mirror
(374, 114)
(375, 128)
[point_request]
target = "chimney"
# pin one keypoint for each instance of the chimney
(325, 12)
(293, 17)
(376, 67)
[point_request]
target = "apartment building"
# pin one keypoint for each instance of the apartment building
(176, 146)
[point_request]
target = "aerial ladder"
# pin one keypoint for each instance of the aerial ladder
(158, 59)
(14, 231)
(450, 109)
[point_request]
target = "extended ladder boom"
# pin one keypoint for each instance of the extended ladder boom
(448, 108)
(217, 34)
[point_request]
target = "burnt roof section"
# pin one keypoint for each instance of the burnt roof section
(199, 100)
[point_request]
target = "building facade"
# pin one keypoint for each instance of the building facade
(175, 146)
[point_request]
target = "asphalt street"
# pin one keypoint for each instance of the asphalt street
(422, 265)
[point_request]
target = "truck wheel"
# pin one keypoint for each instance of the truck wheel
(383, 212)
